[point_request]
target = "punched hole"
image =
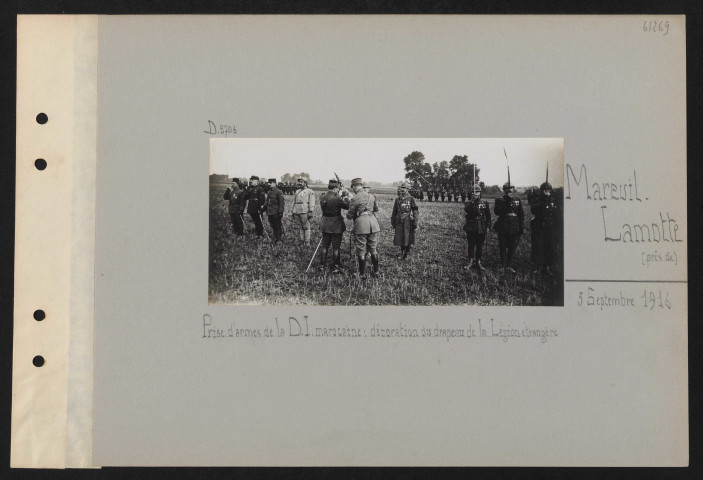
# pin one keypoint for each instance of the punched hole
(38, 361)
(42, 118)
(40, 163)
(39, 315)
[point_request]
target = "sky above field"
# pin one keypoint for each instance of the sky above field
(381, 159)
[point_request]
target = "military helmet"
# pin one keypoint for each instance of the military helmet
(253, 177)
(507, 186)
(235, 180)
(332, 183)
(357, 181)
(476, 188)
(545, 186)
(405, 185)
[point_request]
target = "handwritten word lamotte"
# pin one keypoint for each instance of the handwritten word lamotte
(293, 327)
(661, 228)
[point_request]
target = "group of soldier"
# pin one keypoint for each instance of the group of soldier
(440, 194)
(362, 208)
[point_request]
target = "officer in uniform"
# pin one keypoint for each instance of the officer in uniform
(404, 220)
(544, 227)
(303, 208)
(362, 209)
(478, 221)
(332, 225)
(235, 195)
(256, 203)
(275, 206)
(510, 224)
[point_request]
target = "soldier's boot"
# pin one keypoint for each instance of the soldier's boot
(362, 266)
(374, 261)
(510, 261)
(307, 237)
(337, 265)
(323, 257)
(402, 253)
(407, 250)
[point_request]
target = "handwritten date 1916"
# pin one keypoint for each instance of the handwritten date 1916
(222, 130)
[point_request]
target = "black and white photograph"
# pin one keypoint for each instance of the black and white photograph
(397, 221)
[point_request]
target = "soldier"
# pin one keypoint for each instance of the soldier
(450, 194)
(256, 204)
(463, 194)
(442, 193)
(428, 193)
(404, 220)
(275, 206)
(418, 189)
(303, 208)
(478, 221)
(543, 227)
(235, 195)
(509, 226)
(362, 209)
(332, 225)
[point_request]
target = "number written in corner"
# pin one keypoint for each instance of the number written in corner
(222, 130)
(660, 27)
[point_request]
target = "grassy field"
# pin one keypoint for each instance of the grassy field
(247, 270)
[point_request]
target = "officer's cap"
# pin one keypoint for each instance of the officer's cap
(332, 183)
(235, 180)
(545, 186)
(357, 181)
(302, 180)
(253, 177)
(272, 180)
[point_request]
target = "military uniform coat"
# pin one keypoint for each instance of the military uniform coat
(478, 216)
(544, 230)
(275, 204)
(362, 209)
(511, 218)
(404, 220)
(236, 198)
(332, 205)
(257, 201)
(304, 201)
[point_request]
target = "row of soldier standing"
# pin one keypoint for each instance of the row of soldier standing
(362, 208)
(510, 226)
